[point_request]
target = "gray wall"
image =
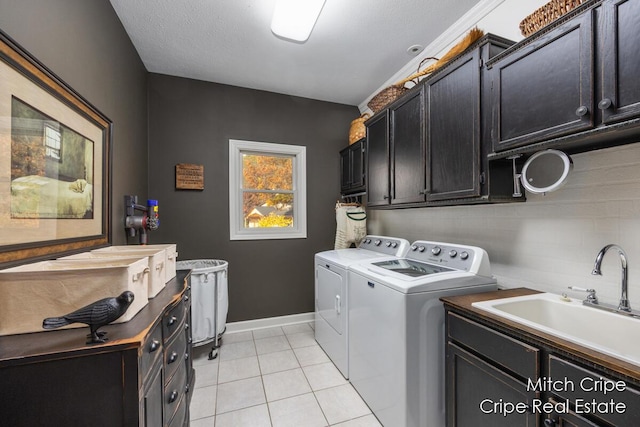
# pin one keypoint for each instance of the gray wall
(191, 122)
(84, 43)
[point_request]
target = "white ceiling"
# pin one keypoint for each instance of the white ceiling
(355, 47)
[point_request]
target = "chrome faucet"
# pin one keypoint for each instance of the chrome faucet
(624, 298)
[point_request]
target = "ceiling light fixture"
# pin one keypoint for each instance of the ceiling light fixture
(294, 19)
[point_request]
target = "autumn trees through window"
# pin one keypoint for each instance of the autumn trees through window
(267, 190)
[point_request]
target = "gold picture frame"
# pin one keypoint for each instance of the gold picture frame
(55, 163)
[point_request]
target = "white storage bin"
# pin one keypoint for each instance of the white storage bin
(33, 292)
(156, 258)
(171, 256)
(209, 298)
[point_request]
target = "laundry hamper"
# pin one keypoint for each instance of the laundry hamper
(209, 301)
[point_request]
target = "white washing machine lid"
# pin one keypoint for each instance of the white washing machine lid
(372, 247)
(434, 280)
(431, 266)
(347, 257)
(410, 268)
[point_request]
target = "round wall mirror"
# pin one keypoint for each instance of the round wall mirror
(546, 171)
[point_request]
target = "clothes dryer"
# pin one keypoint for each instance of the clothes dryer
(331, 283)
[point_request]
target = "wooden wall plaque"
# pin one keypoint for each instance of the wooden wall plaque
(189, 177)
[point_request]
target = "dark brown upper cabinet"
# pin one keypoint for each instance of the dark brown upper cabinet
(352, 163)
(619, 60)
(573, 86)
(457, 117)
(378, 160)
(545, 89)
(395, 153)
(453, 131)
(407, 150)
(430, 146)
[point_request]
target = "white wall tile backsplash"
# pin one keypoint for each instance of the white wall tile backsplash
(551, 241)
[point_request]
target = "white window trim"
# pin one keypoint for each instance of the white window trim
(236, 228)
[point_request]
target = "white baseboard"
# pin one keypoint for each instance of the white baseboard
(269, 322)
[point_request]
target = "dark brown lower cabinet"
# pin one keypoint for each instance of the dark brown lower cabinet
(499, 375)
(481, 395)
(565, 418)
(140, 377)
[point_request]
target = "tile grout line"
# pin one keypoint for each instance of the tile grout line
(264, 389)
(261, 374)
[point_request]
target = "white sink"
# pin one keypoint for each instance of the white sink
(610, 333)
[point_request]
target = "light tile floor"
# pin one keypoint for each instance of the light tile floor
(273, 377)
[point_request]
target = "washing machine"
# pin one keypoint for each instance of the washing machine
(396, 328)
(331, 283)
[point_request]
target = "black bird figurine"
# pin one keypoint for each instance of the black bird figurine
(95, 315)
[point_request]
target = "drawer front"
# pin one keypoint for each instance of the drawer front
(151, 404)
(174, 392)
(181, 413)
(174, 355)
(582, 387)
(173, 319)
(151, 348)
(520, 358)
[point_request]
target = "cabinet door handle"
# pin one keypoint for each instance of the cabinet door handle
(605, 104)
(173, 396)
(550, 422)
(173, 357)
(582, 111)
(172, 320)
(155, 344)
(385, 197)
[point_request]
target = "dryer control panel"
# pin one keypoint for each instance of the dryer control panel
(385, 245)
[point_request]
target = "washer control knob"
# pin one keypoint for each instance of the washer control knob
(377, 242)
(453, 253)
(414, 248)
(388, 244)
(421, 248)
(394, 244)
(436, 250)
(464, 255)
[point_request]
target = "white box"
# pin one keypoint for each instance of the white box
(171, 251)
(156, 259)
(33, 292)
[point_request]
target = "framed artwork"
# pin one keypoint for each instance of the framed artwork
(55, 163)
(189, 176)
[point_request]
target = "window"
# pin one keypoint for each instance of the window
(267, 191)
(52, 142)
